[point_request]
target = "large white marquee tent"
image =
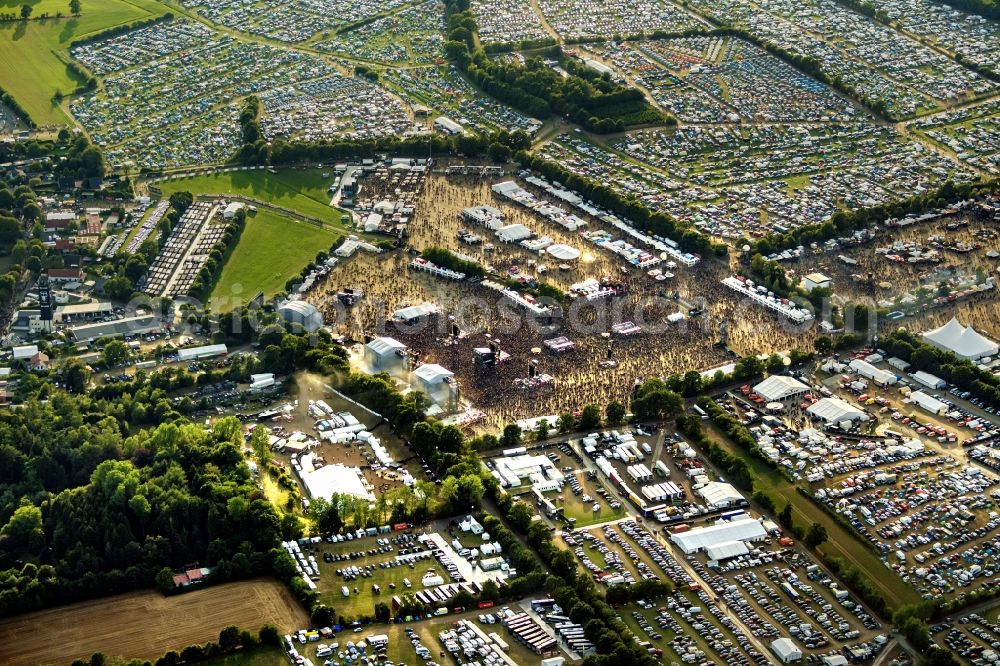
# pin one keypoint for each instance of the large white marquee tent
(963, 341)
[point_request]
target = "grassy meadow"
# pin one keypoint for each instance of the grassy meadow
(271, 249)
(33, 54)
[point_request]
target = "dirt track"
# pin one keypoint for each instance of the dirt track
(145, 624)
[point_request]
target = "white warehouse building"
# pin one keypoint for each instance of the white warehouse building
(780, 388)
(877, 375)
(701, 538)
(835, 410)
(301, 315)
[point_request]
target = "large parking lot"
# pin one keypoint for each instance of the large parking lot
(771, 592)
(900, 480)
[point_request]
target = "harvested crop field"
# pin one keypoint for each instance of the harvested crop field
(145, 624)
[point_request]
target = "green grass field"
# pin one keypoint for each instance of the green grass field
(301, 190)
(30, 66)
(272, 249)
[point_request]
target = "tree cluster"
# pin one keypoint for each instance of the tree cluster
(583, 96)
(102, 512)
(448, 259)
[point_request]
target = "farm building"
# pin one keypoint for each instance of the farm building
(701, 538)
(780, 388)
(301, 315)
(835, 410)
(385, 354)
(191, 577)
(206, 351)
(963, 341)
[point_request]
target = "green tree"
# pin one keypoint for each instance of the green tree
(382, 613)
(75, 376)
(24, 529)
(590, 417)
(74, 7)
(269, 635)
(326, 515)
(815, 535)
(229, 638)
(785, 517)
(614, 414)
(165, 580)
(654, 401)
(116, 353)
(261, 447)
(118, 288)
(511, 436)
(565, 423)
(25, 11)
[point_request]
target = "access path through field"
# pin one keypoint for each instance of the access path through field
(145, 624)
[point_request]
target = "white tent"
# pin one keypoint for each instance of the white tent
(563, 252)
(835, 410)
(928, 403)
(777, 388)
(337, 478)
(965, 342)
(718, 495)
(748, 529)
(512, 233)
(785, 650)
(726, 551)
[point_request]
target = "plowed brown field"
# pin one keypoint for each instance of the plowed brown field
(145, 624)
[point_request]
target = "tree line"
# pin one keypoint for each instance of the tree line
(634, 211)
(955, 370)
(448, 259)
(844, 222)
(232, 641)
(210, 271)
